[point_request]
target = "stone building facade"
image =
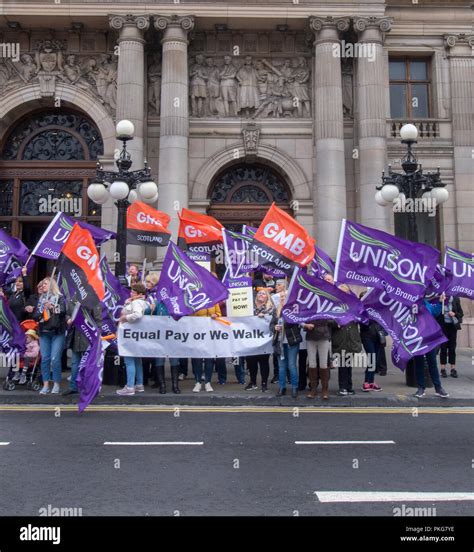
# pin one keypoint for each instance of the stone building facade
(238, 104)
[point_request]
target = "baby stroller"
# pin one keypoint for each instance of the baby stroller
(32, 377)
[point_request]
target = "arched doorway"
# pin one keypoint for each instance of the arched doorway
(242, 193)
(46, 162)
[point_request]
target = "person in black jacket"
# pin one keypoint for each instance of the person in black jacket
(450, 321)
(50, 312)
(345, 343)
(18, 296)
(286, 344)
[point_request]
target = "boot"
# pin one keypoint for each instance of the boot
(175, 379)
(324, 373)
(160, 379)
(313, 374)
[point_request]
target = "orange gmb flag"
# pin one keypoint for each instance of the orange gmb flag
(199, 233)
(79, 265)
(280, 236)
(147, 226)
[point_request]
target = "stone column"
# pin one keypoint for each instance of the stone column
(174, 116)
(371, 112)
(458, 219)
(131, 93)
(131, 79)
(329, 183)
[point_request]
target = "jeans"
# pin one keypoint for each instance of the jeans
(371, 347)
(288, 362)
(161, 362)
(134, 371)
(51, 347)
(75, 361)
(221, 369)
(432, 368)
(197, 369)
(240, 370)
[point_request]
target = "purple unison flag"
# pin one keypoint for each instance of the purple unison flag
(89, 379)
(440, 282)
(115, 293)
(235, 283)
(369, 257)
(461, 265)
(55, 236)
(413, 333)
(237, 253)
(321, 264)
(311, 298)
(12, 337)
(13, 256)
(112, 305)
(185, 287)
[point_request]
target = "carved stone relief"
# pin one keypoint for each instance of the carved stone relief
(249, 86)
(49, 63)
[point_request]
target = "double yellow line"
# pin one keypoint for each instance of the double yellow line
(411, 411)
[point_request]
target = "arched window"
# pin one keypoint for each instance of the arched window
(46, 162)
(242, 194)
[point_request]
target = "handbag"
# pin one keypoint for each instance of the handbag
(382, 338)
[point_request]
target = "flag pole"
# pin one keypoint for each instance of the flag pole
(143, 270)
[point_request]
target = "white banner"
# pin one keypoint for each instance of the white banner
(195, 337)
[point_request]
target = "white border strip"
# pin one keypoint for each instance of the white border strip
(153, 443)
(344, 442)
(4, 444)
(374, 496)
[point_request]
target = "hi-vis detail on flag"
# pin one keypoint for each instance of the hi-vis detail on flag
(282, 242)
(79, 264)
(147, 226)
(199, 233)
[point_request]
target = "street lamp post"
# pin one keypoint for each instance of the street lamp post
(412, 184)
(125, 187)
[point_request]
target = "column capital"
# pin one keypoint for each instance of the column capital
(119, 22)
(329, 23)
(185, 23)
(372, 29)
(459, 45)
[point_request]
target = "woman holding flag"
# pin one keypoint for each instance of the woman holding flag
(286, 344)
(50, 312)
(133, 310)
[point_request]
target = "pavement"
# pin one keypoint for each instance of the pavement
(394, 392)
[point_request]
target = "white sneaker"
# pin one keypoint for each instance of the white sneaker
(22, 379)
(208, 387)
(44, 390)
(16, 377)
(139, 389)
(126, 391)
(181, 377)
(56, 389)
(197, 388)
(68, 378)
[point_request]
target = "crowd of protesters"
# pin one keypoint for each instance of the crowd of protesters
(328, 345)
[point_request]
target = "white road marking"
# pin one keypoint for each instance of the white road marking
(4, 444)
(154, 443)
(375, 496)
(344, 442)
